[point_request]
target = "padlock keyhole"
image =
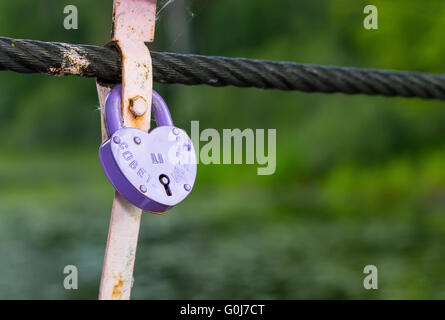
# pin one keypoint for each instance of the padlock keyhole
(165, 181)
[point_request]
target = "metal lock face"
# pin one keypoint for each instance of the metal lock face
(154, 171)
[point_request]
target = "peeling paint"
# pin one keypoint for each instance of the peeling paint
(74, 62)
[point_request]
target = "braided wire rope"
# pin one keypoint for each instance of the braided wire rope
(61, 59)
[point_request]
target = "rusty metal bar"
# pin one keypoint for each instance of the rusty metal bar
(133, 25)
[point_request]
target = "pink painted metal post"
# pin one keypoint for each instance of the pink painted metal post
(133, 25)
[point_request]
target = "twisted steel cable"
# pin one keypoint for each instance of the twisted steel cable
(31, 56)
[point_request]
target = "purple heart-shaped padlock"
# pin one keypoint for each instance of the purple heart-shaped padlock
(153, 170)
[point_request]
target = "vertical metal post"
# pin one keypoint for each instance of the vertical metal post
(133, 25)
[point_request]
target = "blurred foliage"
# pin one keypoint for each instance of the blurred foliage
(360, 180)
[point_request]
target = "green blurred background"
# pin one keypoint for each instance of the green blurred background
(359, 180)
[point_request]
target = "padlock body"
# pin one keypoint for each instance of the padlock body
(138, 164)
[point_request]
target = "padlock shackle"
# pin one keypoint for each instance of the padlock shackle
(113, 112)
(160, 110)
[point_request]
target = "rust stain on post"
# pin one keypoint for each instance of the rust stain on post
(117, 288)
